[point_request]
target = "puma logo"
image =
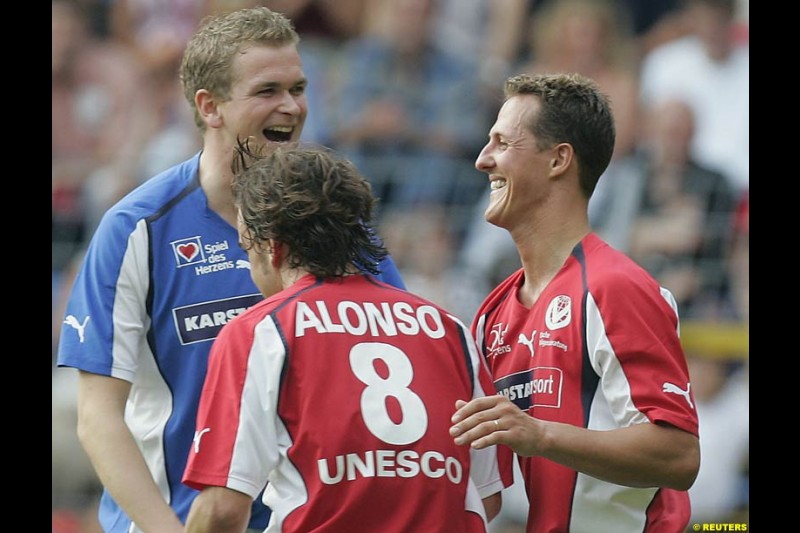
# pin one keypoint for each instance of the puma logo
(674, 389)
(241, 263)
(526, 341)
(197, 436)
(80, 327)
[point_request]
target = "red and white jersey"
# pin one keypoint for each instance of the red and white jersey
(340, 393)
(599, 349)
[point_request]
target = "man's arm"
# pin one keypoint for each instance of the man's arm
(115, 456)
(644, 455)
(219, 510)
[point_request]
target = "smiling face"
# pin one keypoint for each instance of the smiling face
(267, 99)
(518, 169)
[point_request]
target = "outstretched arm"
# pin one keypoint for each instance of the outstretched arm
(644, 455)
(116, 458)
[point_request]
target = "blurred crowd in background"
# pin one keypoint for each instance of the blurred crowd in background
(408, 90)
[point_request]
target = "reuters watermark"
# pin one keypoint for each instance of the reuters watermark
(717, 526)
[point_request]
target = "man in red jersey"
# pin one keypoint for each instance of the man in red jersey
(337, 389)
(582, 343)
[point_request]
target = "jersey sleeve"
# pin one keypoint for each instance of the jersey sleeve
(235, 443)
(389, 273)
(105, 320)
(633, 345)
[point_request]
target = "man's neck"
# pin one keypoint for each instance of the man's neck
(544, 252)
(216, 177)
(290, 276)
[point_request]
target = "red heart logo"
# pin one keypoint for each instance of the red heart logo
(188, 251)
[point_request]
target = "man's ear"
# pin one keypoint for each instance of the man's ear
(208, 108)
(563, 154)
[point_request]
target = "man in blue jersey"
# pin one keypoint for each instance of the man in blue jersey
(163, 273)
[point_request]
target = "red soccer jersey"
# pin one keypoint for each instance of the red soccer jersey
(340, 393)
(599, 349)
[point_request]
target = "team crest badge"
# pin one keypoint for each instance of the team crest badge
(559, 312)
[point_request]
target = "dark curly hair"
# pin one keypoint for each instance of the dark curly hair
(313, 201)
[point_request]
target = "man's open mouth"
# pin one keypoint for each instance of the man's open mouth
(278, 133)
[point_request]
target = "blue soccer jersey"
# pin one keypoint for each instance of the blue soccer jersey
(161, 276)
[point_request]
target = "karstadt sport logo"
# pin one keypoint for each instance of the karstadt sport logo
(202, 321)
(559, 312)
(537, 387)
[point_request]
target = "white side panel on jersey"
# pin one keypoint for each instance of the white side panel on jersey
(614, 386)
(672, 303)
(609, 507)
(266, 453)
(479, 329)
(134, 361)
(129, 312)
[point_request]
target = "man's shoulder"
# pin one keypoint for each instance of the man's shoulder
(611, 269)
(158, 193)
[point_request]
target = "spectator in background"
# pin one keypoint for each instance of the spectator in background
(721, 492)
(654, 22)
(427, 263)
(490, 34)
(709, 68)
(409, 115)
(333, 20)
(325, 25)
(740, 259)
(593, 38)
(681, 231)
(722, 395)
(96, 122)
(158, 32)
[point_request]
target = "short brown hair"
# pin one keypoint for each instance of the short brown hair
(573, 111)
